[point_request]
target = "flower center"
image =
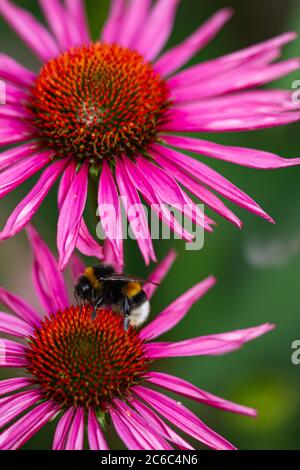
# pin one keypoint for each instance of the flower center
(77, 361)
(98, 101)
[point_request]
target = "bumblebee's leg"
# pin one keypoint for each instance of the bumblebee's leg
(126, 311)
(96, 306)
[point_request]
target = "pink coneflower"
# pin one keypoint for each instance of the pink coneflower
(82, 371)
(112, 111)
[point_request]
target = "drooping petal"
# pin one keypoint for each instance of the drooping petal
(140, 181)
(230, 61)
(15, 175)
(212, 179)
(47, 279)
(125, 433)
(77, 267)
(17, 404)
(159, 273)
(55, 15)
(14, 95)
(33, 33)
(22, 430)
(200, 191)
(62, 430)
(241, 156)
(110, 211)
(184, 419)
(186, 122)
(14, 131)
(135, 213)
(157, 29)
(173, 314)
(11, 385)
(110, 32)
(29, 206)
(77, 22)
(110, 256)
(11, 70)
(86, 244)
(70, 216)
(14, 326)
(12, 354)
(15, 111)
(141, 427)
(19, 307)
(134, 21)
(212, 345)
(186, 389)
(175, 58)
(96, 438)
(159, 425)
(74, 441)
(234, 80)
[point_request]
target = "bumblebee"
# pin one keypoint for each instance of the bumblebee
(102, 286)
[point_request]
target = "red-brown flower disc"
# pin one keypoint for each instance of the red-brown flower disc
(77, 361)
(98, 101)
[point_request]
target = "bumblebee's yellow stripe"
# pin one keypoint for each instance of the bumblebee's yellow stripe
(132, 289)
(90, 274)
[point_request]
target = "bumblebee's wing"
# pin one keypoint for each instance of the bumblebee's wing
(126, 278)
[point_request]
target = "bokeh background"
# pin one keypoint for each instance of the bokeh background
(258, 269)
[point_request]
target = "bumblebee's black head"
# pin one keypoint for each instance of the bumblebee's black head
(83, 289)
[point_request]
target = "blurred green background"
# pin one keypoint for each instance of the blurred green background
(258, 268)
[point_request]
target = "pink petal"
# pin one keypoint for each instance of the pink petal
(14, 326)
(30, 30)
(86, 244)
(180, 55)
(140, 181)
(29, 206)
(22, 430)
(62, 430)
(157, 29)
(110, 210)
(11, 70)
(186, 122)
(110, 256)
(11, 385)
(13, 131)
(175, 312)
(70, 216)
(77, 22)
(17, 404)
(158, 275)
(15, 111)
(55, 15)
(184, 419)
(135, 213)
(232, 60)
(213, 180)
(76, 433)
(234, 80)
(12, 354)
(20, 172)
(77, 267)
(159, 425)
(47, 279)
(113, 25)
(136, 17)
(184, 388)
(19, 307)
(95, 435)
(206, 196)
(15, 95)
(141, 427)
(241, 156)
(212, 345)
(125, 433)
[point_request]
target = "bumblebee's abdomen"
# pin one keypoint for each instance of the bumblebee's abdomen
(132, 289)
